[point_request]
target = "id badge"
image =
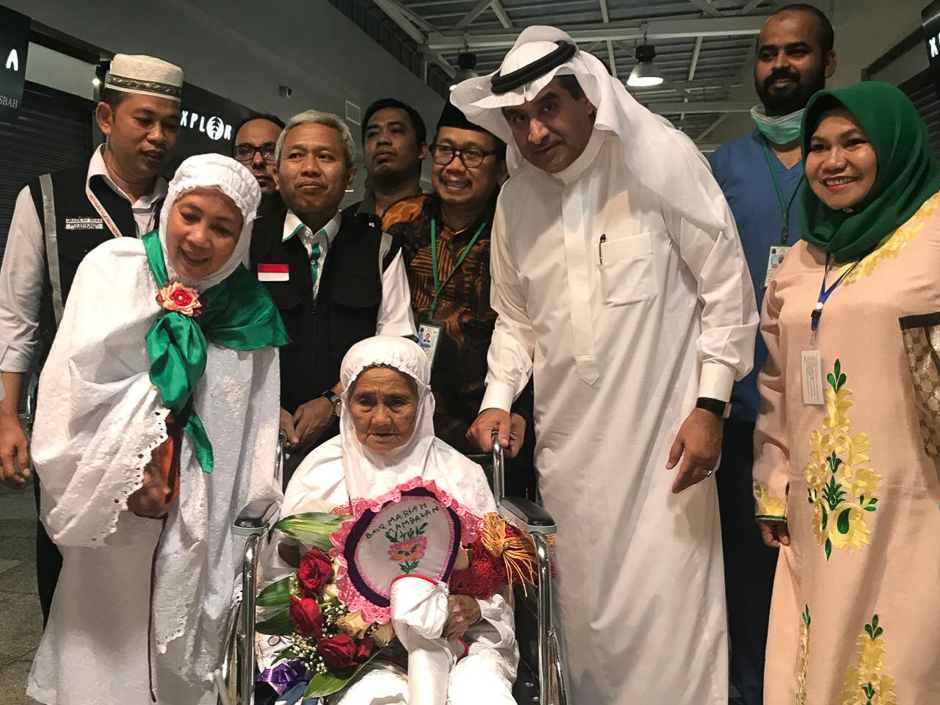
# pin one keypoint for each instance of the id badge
(813, 378)
(428, 337)
(774, 260)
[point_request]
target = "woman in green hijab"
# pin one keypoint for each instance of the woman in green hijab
(842, 481)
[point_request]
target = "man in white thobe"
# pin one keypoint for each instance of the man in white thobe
(621, 286)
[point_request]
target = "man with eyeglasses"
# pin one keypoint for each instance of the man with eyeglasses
(446, 247)
(254, 146)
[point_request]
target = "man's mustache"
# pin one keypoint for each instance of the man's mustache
(792, 75)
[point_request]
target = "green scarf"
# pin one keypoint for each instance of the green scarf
(236, 313)
(908, 172)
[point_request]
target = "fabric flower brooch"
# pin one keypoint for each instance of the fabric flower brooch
(177, 297)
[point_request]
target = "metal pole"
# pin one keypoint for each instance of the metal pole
(544, 617)
(499, 471)
(249, 569)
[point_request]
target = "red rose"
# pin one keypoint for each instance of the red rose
(363, 649)
(315, 569)
(338, 651)
(305, 614)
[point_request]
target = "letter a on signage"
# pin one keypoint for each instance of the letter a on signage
(13, 60)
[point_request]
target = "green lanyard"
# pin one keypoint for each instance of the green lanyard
(438, 287)
(784, 205)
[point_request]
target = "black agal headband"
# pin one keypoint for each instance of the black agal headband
(503, 84)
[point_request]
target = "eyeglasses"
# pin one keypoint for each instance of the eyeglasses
(471, 157)
(245, 152)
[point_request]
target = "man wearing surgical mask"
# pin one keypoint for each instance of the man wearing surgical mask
(761, 175)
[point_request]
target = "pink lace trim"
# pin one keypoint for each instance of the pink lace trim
(470, 526)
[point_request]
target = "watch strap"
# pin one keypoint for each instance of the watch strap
(716, 406)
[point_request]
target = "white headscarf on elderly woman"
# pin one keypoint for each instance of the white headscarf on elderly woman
(367, 473)
(105, 394)
(343, 468)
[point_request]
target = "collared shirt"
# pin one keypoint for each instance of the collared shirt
(23, 272)
(740, 167)
(395, 317)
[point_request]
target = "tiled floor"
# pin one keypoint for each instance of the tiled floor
(20, 617)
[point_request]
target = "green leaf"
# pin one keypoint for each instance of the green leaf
(323, 684)
(806, 619)
(832, 381)
(828, 548)
(276, 594)
(287, 654)
(312, 528)
(878, 632)
(870, 508)
(279, 624)
(841, 381)
(843, 523)
(825, 518)
(838, 367)
(873, 500)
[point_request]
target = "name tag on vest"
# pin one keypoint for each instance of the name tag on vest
(84, 224)
(273, 273)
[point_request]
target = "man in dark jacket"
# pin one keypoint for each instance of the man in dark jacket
(334, 279)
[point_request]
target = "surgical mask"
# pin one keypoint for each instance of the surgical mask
(782, 129)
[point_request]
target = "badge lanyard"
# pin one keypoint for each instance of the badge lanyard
(106, 217)
(825, 293)
(439, 287)
(812, 362)
(784, 205)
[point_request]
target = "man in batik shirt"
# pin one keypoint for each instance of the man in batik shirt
(447, 256)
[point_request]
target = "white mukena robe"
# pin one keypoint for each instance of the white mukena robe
(99, 418)
(624, 303)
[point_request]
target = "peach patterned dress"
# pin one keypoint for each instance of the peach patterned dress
(854, 618)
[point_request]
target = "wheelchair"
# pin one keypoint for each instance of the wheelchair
(540, 678)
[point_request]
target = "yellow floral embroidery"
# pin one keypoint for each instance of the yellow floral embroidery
(766, 505)
(893, 243)
(803, 662)
(864, 683)
(840, 487)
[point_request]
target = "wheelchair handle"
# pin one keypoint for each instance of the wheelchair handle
(279, 457)
(499, 470)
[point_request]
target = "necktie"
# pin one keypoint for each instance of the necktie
(316, 247)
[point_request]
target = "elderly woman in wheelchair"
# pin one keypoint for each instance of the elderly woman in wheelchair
(387, 440)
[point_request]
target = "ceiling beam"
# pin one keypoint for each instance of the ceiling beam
(495, 5)
(501, 15)
(469, 18)
(750, 6)
(401, 17)
(614, 31)
(611, 59)
(706, 7)
(708, 130)
(695, 54)
(705, 106)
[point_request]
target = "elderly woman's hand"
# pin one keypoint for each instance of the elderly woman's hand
(463, 612)
(150, 500)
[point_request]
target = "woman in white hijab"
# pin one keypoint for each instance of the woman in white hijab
(157, 421)
(387, 438)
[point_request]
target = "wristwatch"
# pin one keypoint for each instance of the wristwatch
(334, 399)
(716, 406)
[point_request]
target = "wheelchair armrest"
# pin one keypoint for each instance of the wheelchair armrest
(256, 518)
(534, 518)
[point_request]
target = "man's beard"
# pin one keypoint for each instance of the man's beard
(790, 100)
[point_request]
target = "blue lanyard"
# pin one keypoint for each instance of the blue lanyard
(825, 293)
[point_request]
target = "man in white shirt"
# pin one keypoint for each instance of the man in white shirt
(59, 218)
(334, 279)
(620, 284)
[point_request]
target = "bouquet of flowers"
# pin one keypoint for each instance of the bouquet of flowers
(331, 617)
(327, 644)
